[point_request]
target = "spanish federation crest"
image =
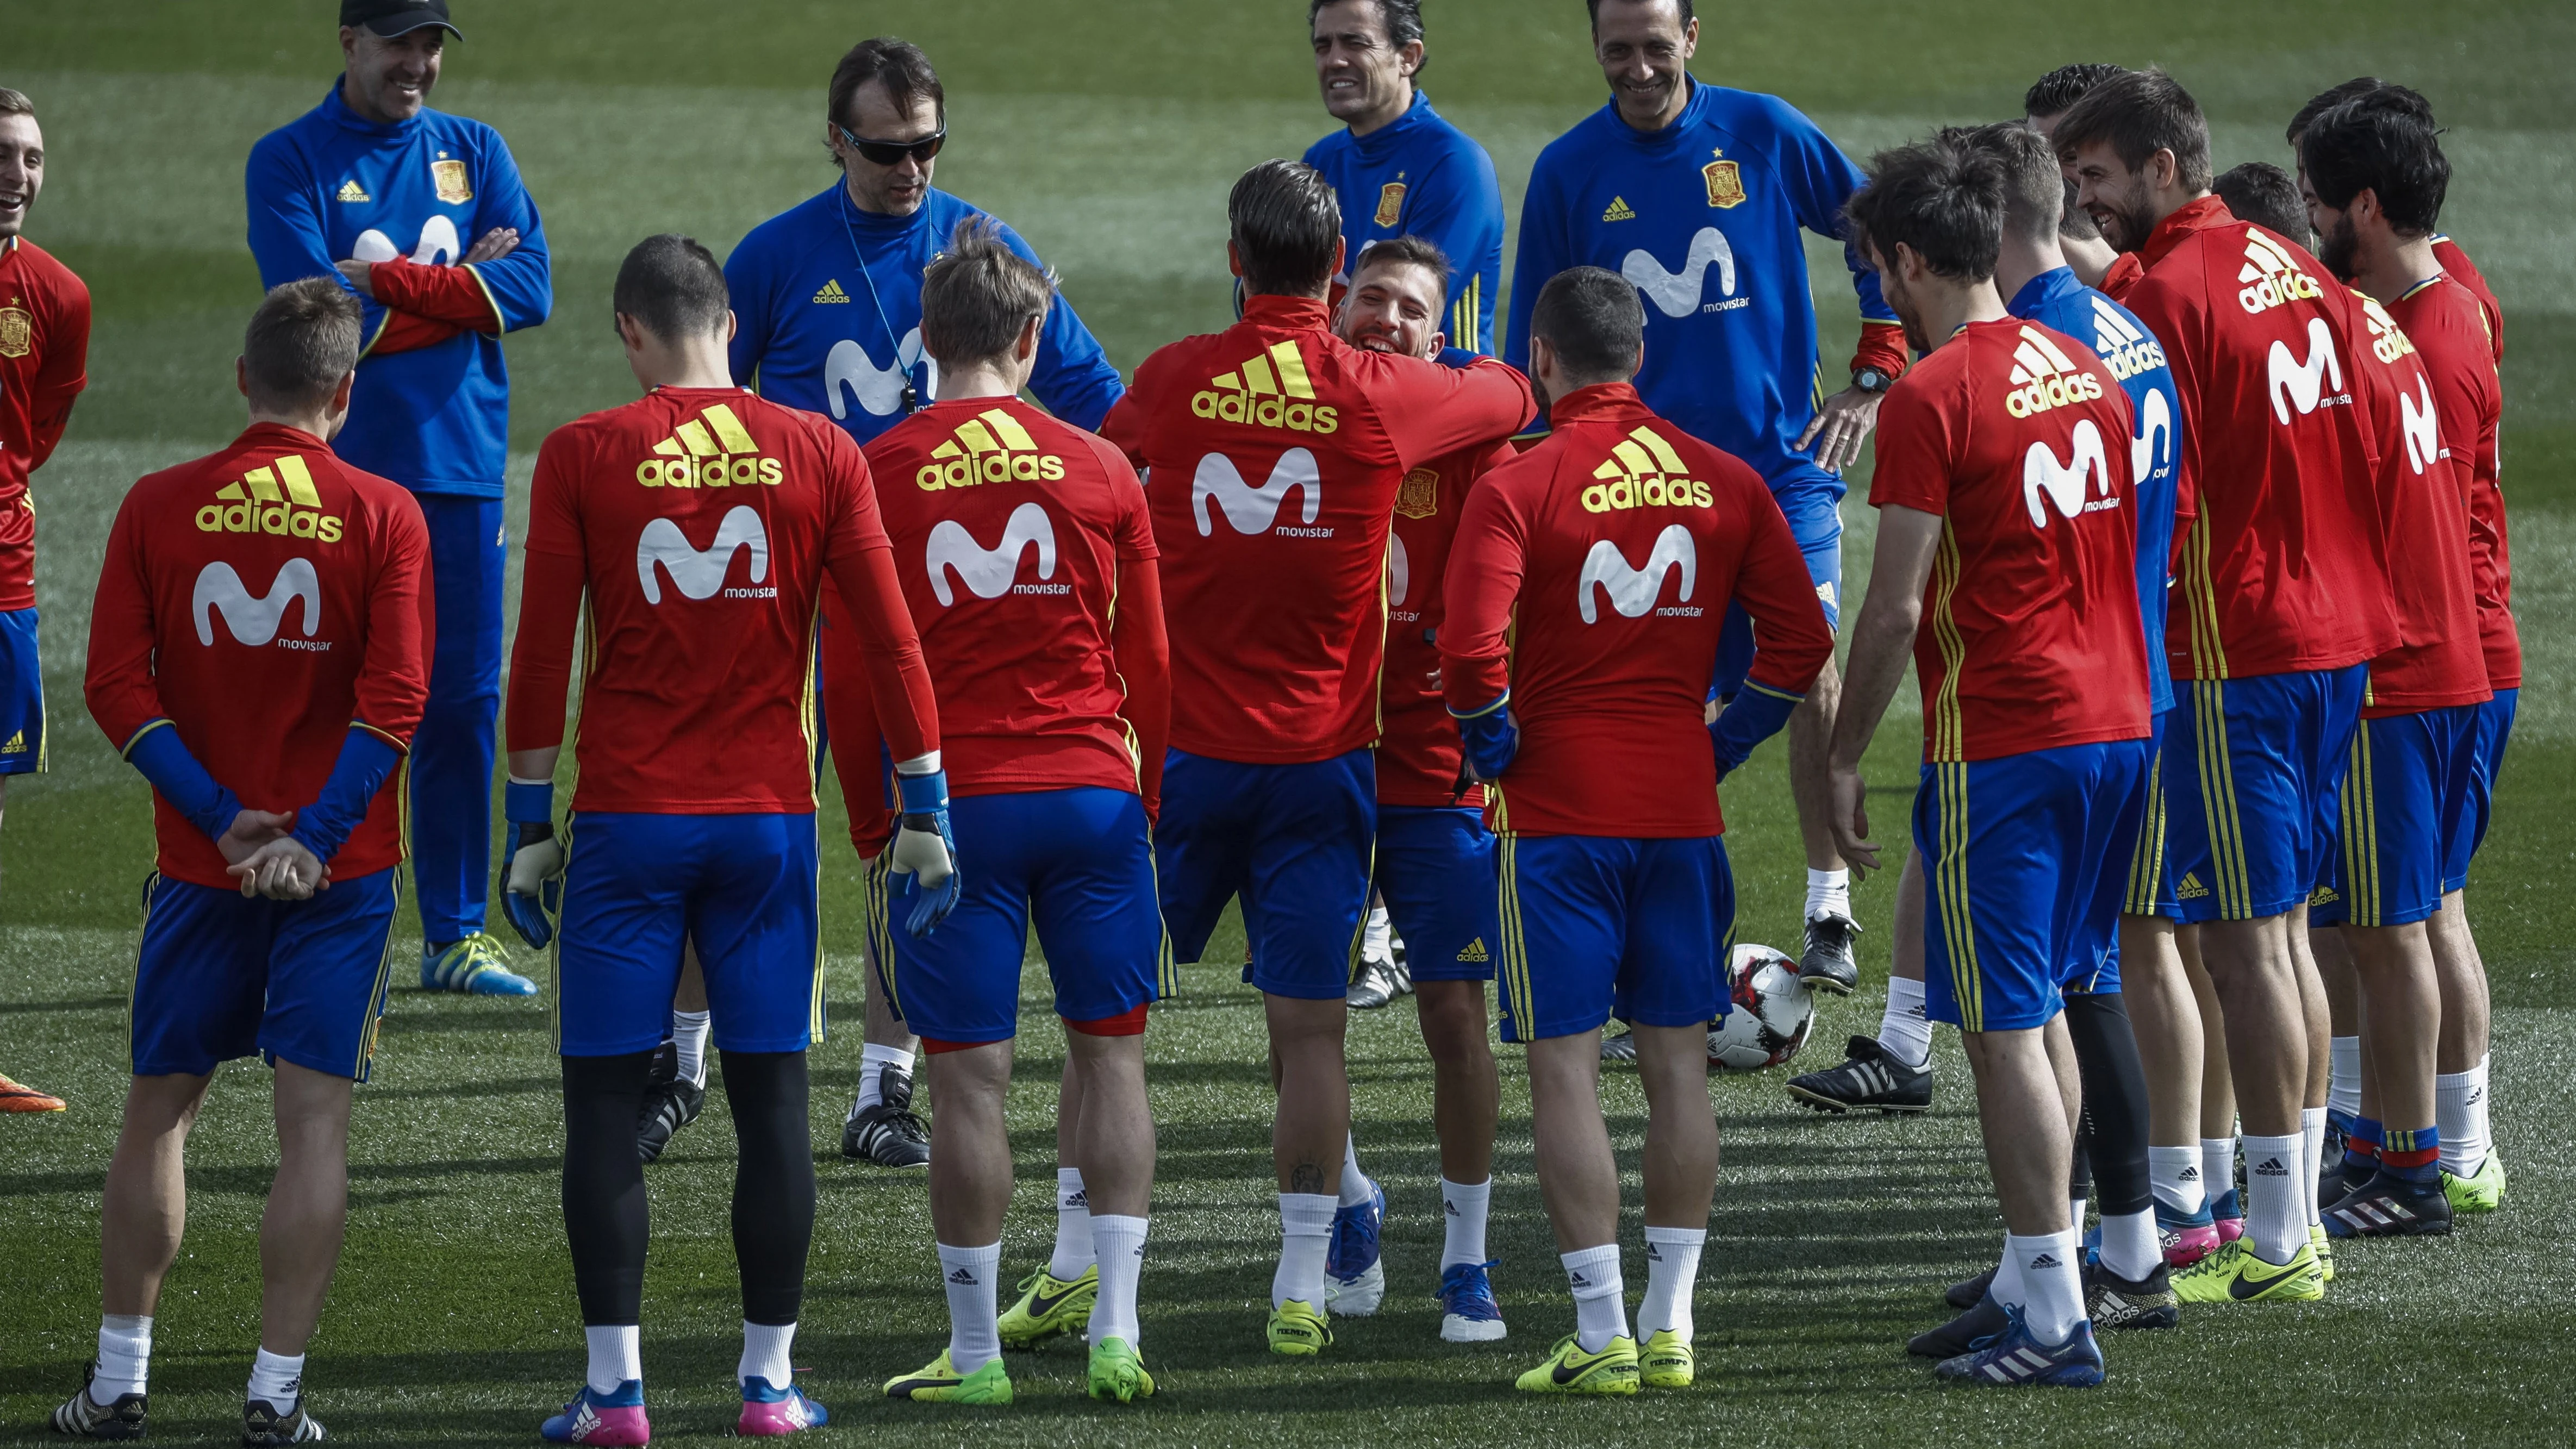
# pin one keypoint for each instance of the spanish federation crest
(1390, 203)
(1725, 184)
(1420, 495)
(454, 189)
(17, 332)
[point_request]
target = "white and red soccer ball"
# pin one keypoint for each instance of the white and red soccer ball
(1772, 1012)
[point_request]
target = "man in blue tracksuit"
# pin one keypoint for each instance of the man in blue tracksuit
(1697, 194)
(1399, 167)
(423, 215)
(827, 302)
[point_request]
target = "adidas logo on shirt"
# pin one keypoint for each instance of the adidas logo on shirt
(1475, 952)
(352, 191)
(2190, 889)
(831, 293)
(278, 499)
(1619, 210)
(2272, 279)
(2125, 348)
(2387, 340)
(1270, 391)
(990, 447)
(1643, 471)
(2045, 377)
(711, 450)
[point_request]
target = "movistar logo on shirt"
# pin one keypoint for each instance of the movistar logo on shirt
(699, 573)
(990, 447)
(2271, 278)
(2422, 429)
(1633, 591)
(1643, 471)
(277, 499)
(1677, 294)
(253, 619)
(711, 450)
(1270, 391)
(2305, 386)
(992, 572)
(2124, 346)
(1254, 509)
(2043, 477)
(2045, 377)
(832, 293)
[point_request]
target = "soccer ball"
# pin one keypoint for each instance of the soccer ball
(1772, 1012)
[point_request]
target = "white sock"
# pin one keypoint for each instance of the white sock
(276, 1379)
(1600, 1296)
(2175, 1174)
(1463, 1209)
(2075, 1212)
(1122, 1259)
(1305, 1235)
(124, 1356)
(1904, 1030)
(616, 1355)
(2343, 1088)
(2276, 1212)
(873, 1059)
(2129, 1246)
(1377, 941)
(1073, 1246)
(2006, 1288)
(2052, 1287)
(974, 1319)
(2312, 1151)
(1672, 1272)
(1828, 894)
(2218, 1168)
(689, 1037)
(2460, 1112)
(1356, 1187)
(766, 1353)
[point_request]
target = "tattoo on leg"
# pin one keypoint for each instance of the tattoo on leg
(1306, 1177)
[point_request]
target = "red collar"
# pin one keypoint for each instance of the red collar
(1609, 402)
(1292, 313)
(2194, 216)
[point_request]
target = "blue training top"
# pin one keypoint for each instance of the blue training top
(2056, 299)
(1421, 176)
(817, 330)
(332, 185)
(1703, 216)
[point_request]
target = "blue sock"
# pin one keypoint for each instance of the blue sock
(2361, 1142)
(2414, 1155)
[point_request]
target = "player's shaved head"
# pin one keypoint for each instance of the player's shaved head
(2267, 196)
(2034, 184)
(1941, 199)
(1593, 321)
(672, 287)
(2138, 115)
(978, 296)
(1287, 228)
(300, 343)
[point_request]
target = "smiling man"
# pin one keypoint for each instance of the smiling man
(1399, 167)
(1697, 195)
(422, 215)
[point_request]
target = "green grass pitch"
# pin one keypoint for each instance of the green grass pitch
(1107, 134)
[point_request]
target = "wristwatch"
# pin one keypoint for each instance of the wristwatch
(1870, 379)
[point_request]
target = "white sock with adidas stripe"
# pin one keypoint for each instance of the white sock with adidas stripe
(974, 1318)
(2051, 1285)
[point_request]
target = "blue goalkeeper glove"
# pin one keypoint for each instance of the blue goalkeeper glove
(925, 849)
(1755, 714)
(532, 875)
(1491, 736)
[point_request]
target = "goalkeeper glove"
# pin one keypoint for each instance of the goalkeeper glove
(1491, 736)
(532, 875)
(925, 849)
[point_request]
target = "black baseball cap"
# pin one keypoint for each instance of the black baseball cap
(390, 18)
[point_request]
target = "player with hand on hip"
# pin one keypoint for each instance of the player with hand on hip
(688, 533)
(1586, 593)
(259, 651)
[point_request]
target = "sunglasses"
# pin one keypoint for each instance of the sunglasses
(891, 153)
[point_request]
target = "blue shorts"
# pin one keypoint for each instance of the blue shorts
(221, 977)
(741, 888)
(22, 695)
(2495, 728)
(1594, 928)
(2022, 867)
(2404, 797)
(1435, 867)
(1293, 841)
(2251, 789)
(1080, 864)
(2150, 887)
(1812, 502)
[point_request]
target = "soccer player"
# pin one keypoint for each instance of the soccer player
(259, 651)
(2455, 262)
(44, 350)
(1048, 654)
(1399, 167)
(1279, 453)
(423, 215)
(2096, 262)
(1587, 589)
(1697, 194)
(687, 534)
(1435, 858)
(2375, 178)
(2007, 516)
(829, 297)
(2266, 195)
(2282, 584)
